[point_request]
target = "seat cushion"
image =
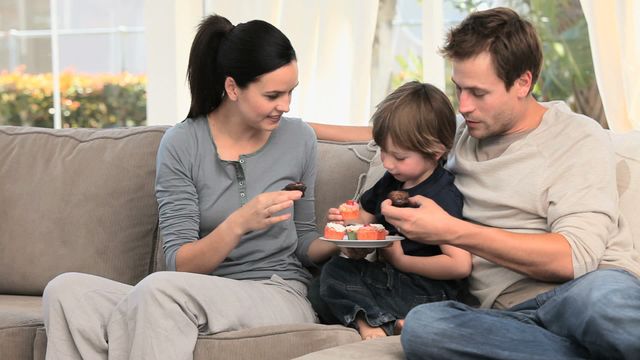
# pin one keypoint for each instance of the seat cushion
(384, 348)
(264, 343)
(76, 200)
(20, 317)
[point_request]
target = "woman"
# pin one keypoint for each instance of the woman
(237, 243)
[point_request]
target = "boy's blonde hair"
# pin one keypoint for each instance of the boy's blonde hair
(416, 117)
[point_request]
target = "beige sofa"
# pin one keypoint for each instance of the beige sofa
(82, 200)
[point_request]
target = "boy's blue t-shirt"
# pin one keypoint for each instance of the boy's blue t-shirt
(439, 187)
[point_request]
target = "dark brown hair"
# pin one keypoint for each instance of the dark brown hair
(243, 52)
(511, 40)
(416, 117)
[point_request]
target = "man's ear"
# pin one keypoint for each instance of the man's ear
(524, 84)
(231, 88)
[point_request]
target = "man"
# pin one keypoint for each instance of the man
(554, 268)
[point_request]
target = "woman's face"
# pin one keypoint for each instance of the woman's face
(263, 101)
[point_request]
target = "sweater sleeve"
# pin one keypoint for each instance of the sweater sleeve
(582, 198)
(304, 209)
(179, 215)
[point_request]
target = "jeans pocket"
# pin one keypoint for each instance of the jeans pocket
(425, 299)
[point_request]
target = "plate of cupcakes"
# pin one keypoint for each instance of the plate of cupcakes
(358, 235)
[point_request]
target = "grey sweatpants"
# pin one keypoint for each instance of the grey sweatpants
(90, 317)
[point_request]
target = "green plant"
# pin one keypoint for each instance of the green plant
(93, 101)
(567, 72)
(411, 69)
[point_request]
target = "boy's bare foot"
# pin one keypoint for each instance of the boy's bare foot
(368, 332)
(397, 329)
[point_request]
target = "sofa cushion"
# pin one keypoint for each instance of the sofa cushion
(76, 200)
(20, 317)
(273, 342)
(264, 343)
(40, 344)
(627, 149)
(341, 171)
(384, 348)
(375, 172)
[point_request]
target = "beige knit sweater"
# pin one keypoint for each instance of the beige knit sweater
(559, 178)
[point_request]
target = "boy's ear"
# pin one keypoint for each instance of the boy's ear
(231, 88)
(437, 155)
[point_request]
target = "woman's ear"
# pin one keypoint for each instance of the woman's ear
(231, 88)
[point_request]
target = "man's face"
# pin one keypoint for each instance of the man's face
(488, 108)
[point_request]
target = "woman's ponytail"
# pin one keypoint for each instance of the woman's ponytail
(206, 81)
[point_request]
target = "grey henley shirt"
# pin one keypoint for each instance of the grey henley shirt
(196, 191)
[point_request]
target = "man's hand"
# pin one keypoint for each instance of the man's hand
(426, 222)
(545, 256)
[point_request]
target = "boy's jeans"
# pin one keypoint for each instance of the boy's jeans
(594, 316)
(377, 291)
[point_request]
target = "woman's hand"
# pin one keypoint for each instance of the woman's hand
(264, 210)
(334, 215)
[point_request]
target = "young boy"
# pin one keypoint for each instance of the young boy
(414, 127)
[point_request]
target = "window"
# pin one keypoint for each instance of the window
(78, 64)
(99, 56)
(567, 72)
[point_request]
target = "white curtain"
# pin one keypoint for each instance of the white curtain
(614, 33)
(333, 40)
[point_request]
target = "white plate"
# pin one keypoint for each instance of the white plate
(369, 244)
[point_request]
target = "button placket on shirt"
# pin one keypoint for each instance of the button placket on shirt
(242, 183)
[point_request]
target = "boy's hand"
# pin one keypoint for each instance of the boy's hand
(333, 215)
(356, 253)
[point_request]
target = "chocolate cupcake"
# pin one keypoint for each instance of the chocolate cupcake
(399, 198)
(300, 186)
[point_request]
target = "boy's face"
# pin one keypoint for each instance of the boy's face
(488, 108)
(406, 166)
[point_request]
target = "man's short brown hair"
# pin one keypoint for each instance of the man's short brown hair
(416, 117)
(511, 40)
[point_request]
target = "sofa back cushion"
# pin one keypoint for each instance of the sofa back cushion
(342, 167)
(627, 149)
(76, 200)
